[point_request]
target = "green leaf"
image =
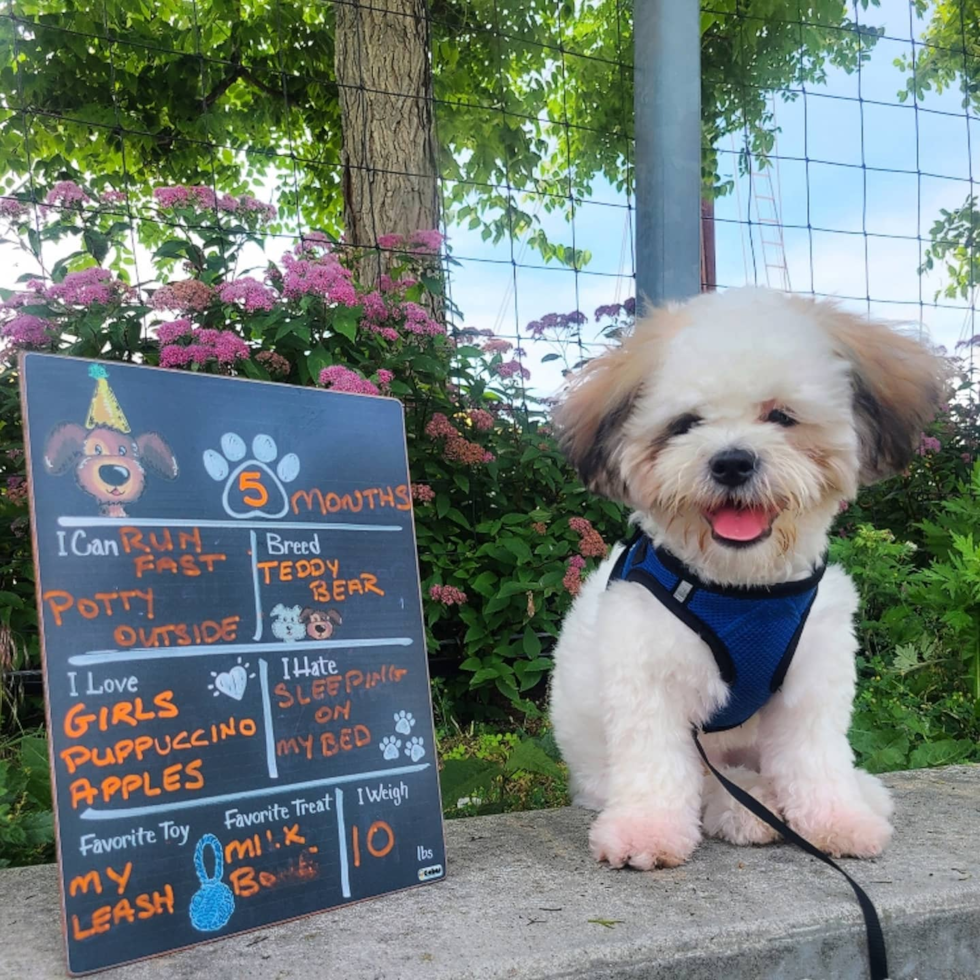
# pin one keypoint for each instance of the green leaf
(461, 777)
(518, 547)
(532, 644)
(457, 516)
(34, 760)
(484, 583)
(344, 321)
(432, 284)
(317, 360)
(528, 756)
(96, 243)
(942, 753)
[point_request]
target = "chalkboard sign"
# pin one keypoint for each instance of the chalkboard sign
(237, 692)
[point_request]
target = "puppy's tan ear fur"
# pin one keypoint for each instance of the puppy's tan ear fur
(898, 387)
(600, 399)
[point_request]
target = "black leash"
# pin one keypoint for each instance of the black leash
(877, 958)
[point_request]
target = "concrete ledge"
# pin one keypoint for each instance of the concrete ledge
(521, 891)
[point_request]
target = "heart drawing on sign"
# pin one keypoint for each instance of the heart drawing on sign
(232, 682)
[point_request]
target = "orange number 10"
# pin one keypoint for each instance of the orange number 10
(251, 480)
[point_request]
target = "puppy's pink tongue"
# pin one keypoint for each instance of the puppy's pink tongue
(739, 523)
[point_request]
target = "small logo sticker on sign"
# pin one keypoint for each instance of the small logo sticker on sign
(433, 871)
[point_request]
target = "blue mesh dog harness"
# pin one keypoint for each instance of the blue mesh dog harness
(752, 632)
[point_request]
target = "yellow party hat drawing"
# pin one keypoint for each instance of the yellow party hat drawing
(104, 410)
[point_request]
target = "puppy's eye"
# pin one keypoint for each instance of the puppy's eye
(683, 424)
(98, 450)
(122, 450)
(781, 418)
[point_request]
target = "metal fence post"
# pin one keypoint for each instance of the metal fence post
(667, 106)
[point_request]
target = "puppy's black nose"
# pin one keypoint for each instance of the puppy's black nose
(114, 476)
(733, 467)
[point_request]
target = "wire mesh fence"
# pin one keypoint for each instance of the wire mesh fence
(864, 190)
(839, 152)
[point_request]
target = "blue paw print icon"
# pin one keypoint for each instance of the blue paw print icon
(213, 903)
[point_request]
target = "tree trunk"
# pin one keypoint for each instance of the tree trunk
(389, 149)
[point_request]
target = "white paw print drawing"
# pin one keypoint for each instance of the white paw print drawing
(258, 490)
(390, 746)
(415, 749)
(404, 722)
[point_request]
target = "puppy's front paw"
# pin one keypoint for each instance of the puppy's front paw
(854, 831)
(644, 839)
(727, 819)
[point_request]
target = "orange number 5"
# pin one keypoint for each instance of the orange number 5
(252, 480)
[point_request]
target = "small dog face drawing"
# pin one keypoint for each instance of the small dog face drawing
(320, 623)
(109, 465)
(286, 623)
(736, 424)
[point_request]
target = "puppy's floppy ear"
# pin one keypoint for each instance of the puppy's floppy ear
(157, 455)
(600, 400)
(304, 616)
(898, 386)
(63, 447)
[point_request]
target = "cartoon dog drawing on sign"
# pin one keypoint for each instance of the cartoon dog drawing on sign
(286, 623)
(320, 623)
(109, 464)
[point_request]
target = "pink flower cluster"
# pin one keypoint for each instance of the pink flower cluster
(170, 331)
(497, 346)
(28, 331)
(573, 575)
(448, 595)
(17, 490)
(339, 378)
(456, 449)
(928, 445)
(388, 285)
(252, 205)
(460, 450)
(439, 427)
(12, 208)
(90, 287)
(275, 364)
(204, 198)
(311, 276)
(206, 345)
(556, 322)
(114, 197)
(248, 293)
(590, 542)
(423, 493)
(511, 368)
(66, 194)
(482, 420)
(185, 296)
(312, 242)
(539, 527)
(418, 242)
(418, 322)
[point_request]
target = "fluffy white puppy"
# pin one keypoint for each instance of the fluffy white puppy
(734, 426)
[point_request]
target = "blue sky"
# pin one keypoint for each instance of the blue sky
(827, 129)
